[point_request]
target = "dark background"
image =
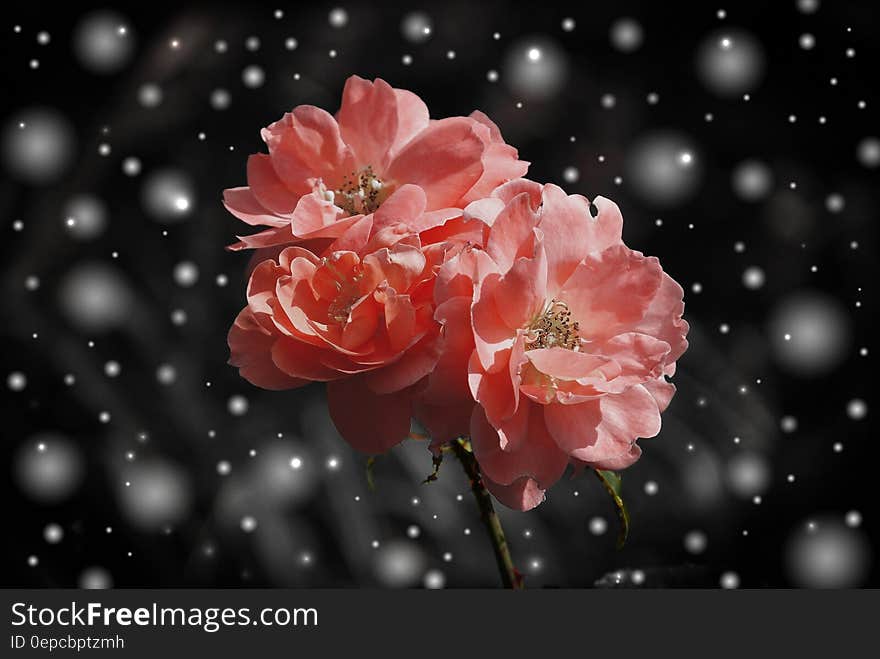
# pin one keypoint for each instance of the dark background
(749, 412)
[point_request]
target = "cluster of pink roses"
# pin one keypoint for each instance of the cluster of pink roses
(405, 263)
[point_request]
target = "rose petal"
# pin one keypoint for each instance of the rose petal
(492, 336)
(565, 221)
(306, 145)
(444, 160)
(610, 291)
(500, 162)
(368, 120)
(605, 428)
(521, 293)
(301, 360)
(522, 494)
(250, 346)
(242, 203)
(370, 422)
(512, 234)
(404, 206)
(412, 118)
(267, 187)
(538, 457)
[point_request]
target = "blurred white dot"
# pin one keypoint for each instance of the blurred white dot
(186, 274)
(753, 277)
(102, 42)
(571, 174)
(150, 95)
(853, 519)
(434, 579)
(818, 331)
(788, 424)
(663, 167)
(834, 203)
(16, 381)
(868, 152)
(95, 578)
(857, 409)
(828, 554)
(53, 533)
(112, 369)
(399, 564)
(535, 68)
(38, 145)
(237, 405)
(168, 195)
(413, 531)
(730, 62)
(253, 76)
(416, 27)
(598, 525)
(729, 580)
(626, 35)
(338, 17)
(808, 6)
(748, 474)
(752, 180)
(695, 542)
(166, 374)
(807, 41)
(651, 488)
(220, 99)
(131, 166)
(248, 524)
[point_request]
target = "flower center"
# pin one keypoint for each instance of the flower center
(553, 328)
(348, 292)
(361, 192)
(340, 308)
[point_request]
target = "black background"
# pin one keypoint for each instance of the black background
(785, 235)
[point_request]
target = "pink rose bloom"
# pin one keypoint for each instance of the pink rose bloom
(360, 321)
(325, 176)
(573, 335)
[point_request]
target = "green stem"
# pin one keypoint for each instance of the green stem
(510, 577)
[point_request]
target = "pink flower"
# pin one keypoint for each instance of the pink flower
(362, 322)
(327, 178)
(573, 335)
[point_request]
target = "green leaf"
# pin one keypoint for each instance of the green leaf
(370, 482)
(437, 459)
(613, 482)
